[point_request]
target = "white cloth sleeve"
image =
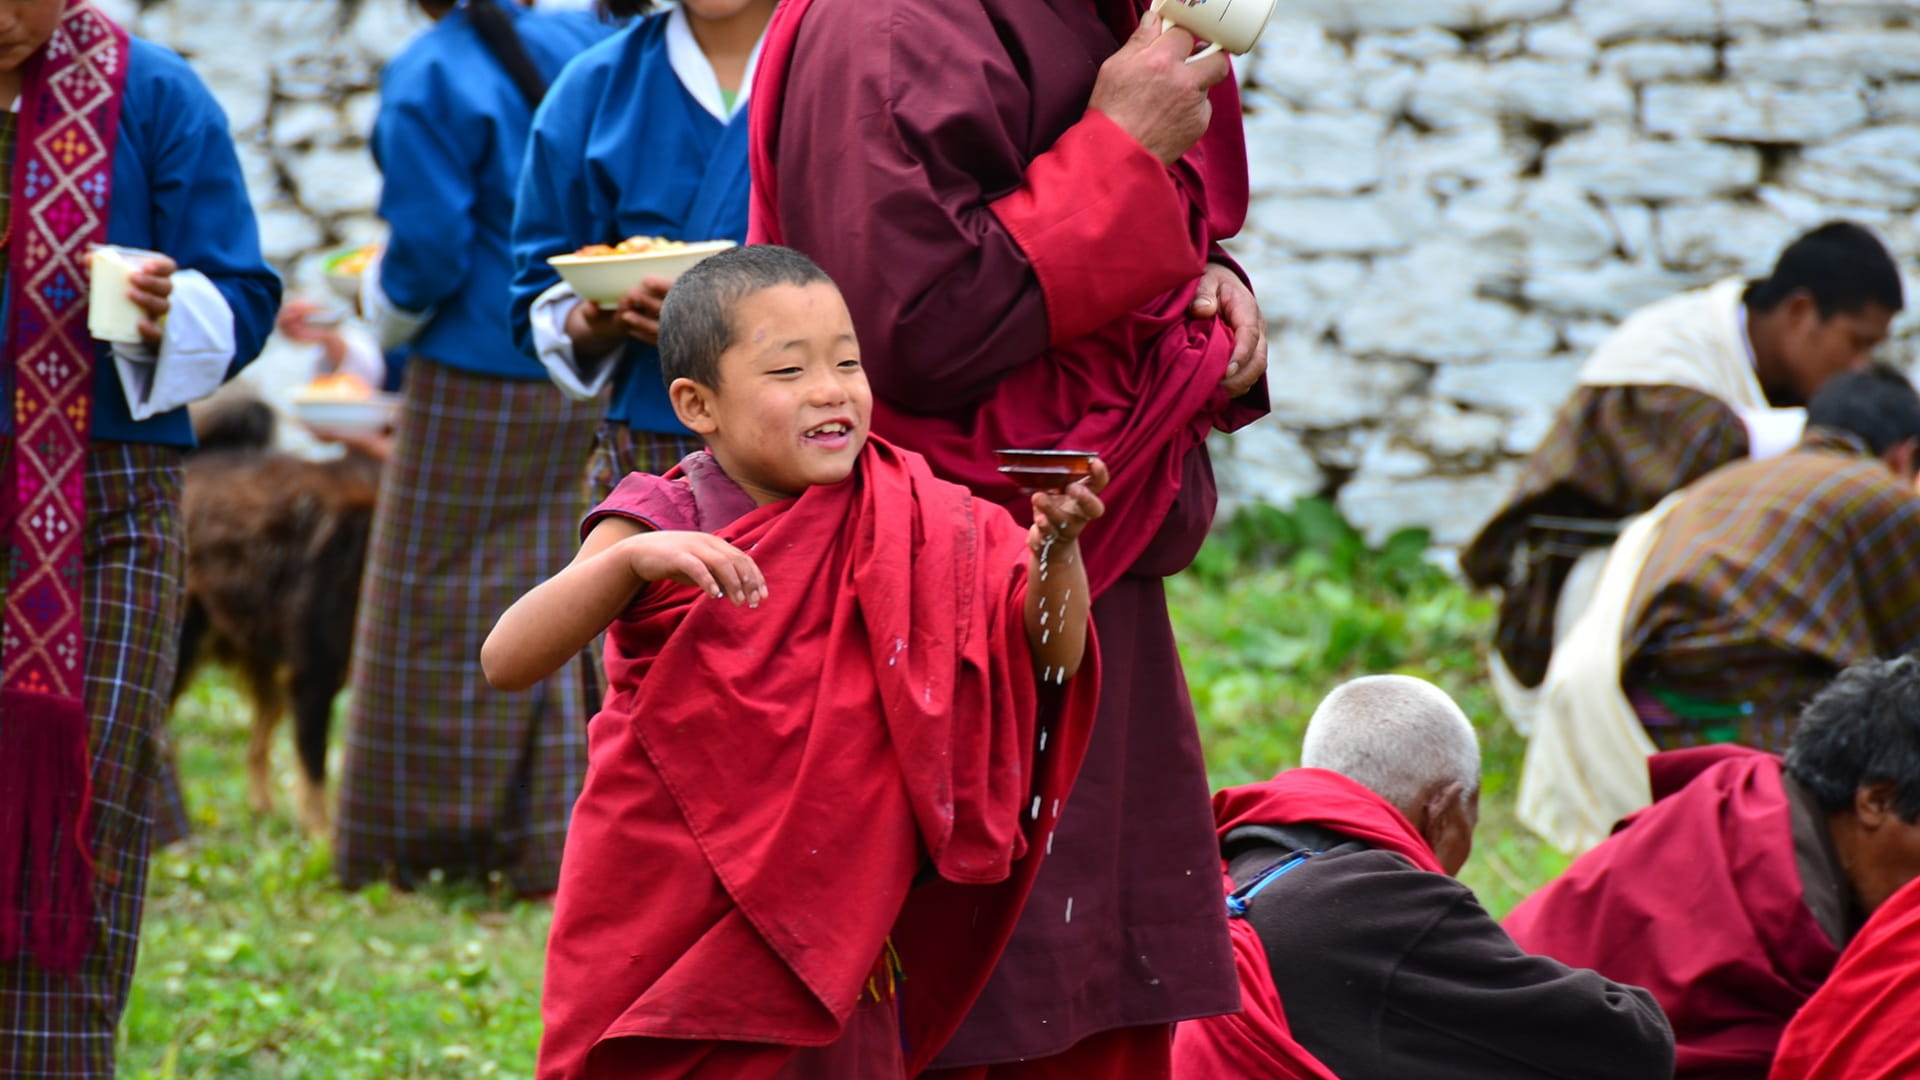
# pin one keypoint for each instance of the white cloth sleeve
(1772, 432)
(196, 348)
(555, 349)
(363, 358)
(391, 326)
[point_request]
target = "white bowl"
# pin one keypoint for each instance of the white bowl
(604, 279)
(367, 416)
(345, 286)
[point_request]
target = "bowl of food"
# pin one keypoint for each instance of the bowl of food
(345, 403)
(1045, 470)
(603, 273)
(344, 269)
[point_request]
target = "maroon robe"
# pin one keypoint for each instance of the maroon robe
(1019, 271)
(1699, 899)
(863, 758)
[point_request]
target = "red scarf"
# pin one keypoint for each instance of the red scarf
(1860, 1024)
(910, 595)
(1142, 390)
(1258, 1041)
(62, 179)
(1330, 801)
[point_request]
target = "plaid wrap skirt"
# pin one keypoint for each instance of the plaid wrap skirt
(619, 450)
(63, 1025)
(479, 504)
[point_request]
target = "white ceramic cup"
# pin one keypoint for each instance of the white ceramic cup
(1233, 25)
(111, 314)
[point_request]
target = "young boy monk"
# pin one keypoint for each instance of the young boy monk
(841, 720)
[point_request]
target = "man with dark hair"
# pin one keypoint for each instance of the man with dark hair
(1721, 611)
(1769, 577)
(1679, 389)
(1731, 897)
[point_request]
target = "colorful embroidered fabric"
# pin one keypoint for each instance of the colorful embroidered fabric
(61, 186)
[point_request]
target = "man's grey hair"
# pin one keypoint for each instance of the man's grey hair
(1394, 734)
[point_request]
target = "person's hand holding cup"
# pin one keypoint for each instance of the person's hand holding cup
(129, 294)
(1150, 90)
(1230, 25)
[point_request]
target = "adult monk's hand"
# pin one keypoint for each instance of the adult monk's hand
(1222, 293)
(1150, 90)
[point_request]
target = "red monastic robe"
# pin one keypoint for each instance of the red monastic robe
(1019, 268)
(1697, 898)
(755, 814)
(1863, 1024)
(1019, 271)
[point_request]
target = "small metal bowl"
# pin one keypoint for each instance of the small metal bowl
(1045, 470)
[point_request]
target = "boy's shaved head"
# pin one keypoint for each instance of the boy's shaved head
(696, 319)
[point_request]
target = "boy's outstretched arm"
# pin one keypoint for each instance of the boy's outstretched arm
(1057, 593)
(562, 615)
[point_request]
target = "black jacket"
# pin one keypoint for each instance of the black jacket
(1388, 972)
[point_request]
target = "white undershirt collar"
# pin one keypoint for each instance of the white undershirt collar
(696, 72)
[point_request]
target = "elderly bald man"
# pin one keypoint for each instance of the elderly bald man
(1360, 955)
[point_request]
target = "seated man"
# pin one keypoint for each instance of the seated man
(1731, 897)
(1724, 609)
(1769, 577)
(1384, 965)
(1679, 389)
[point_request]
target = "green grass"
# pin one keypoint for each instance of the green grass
(253, 964)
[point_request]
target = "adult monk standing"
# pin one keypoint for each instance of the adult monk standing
(1023, 200)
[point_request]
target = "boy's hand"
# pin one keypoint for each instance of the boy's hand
(701, 560)
(149, 288)
(1059, 516)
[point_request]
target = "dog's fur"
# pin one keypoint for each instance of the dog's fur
(275, 549)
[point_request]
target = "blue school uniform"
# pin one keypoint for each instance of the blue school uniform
(450, 138)
(622, 148)
(177, 189)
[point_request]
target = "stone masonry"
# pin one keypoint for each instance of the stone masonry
(1454, 199)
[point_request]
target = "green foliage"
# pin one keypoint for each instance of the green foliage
(1282, 606)
(254, 964)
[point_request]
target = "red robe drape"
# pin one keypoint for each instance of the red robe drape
(1864, 1024)
(1697, 898)
(765, 784)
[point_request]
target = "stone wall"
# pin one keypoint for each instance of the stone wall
(1454, 199)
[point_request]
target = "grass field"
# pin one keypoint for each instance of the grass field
(254, 965)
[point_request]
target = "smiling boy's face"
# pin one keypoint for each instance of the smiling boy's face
(793, 407)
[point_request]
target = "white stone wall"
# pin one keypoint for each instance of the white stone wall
(1454, 199)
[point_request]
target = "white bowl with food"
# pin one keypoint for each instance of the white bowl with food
(344, 269)
(603, 273)
(345, 404)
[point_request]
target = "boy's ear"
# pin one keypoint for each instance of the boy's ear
(693, 404)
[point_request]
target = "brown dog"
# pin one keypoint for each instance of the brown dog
(275, 549)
